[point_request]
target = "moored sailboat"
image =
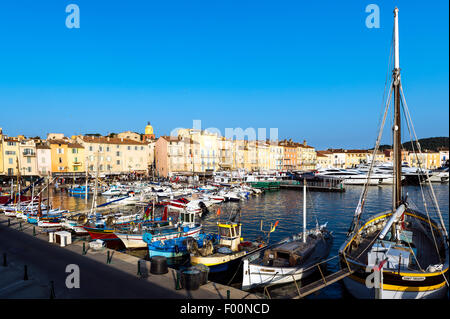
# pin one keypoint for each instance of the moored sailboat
(289, 260)
(406, 249)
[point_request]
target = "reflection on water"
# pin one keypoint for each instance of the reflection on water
(286, 207)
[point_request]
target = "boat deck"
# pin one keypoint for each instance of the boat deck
(425, 250)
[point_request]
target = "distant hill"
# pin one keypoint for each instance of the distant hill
(430, 143)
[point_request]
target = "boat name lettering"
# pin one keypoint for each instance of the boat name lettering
(408, 278)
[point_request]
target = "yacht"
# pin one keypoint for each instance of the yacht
(351, 176)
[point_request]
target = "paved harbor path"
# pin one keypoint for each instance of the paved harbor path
(47, 262)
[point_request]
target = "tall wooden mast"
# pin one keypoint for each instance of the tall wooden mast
(397, 192)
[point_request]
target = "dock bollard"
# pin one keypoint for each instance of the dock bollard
(84, 248)
(52, 290)
(20, 226)
(4, 260)
(9, 222)
(228, 294)
(34, 231)
(108, 257)
(139, 268)
(25, 276)
(178, 285)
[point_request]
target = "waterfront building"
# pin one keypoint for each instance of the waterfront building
(389, 153)
(58, 153)
(443, 156)
(338, 157)
(240, 154)
(176, 155)
(306, 157)
(276, 156)
(43, 159)
(114, 156)
(130, 136)
(2, 171)
(225, 153)
(324, 159)
(427, 159)
(263, 156)
(290, 155)
(10, 147)
(27, 157)
(75, 158)
(206, 149)
(356, 157)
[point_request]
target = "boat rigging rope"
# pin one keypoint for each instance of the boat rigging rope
(385, 105)
(405, 106)
(411, 128)
(375, 150)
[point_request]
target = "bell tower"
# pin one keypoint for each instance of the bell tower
(149, 132)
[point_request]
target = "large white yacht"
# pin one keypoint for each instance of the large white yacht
(355, 176)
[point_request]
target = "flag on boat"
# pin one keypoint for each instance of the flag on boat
(358, 208)
(218, 211)
(274, 226)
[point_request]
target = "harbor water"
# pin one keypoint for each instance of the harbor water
(286, 206)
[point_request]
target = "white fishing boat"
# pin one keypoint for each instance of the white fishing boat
(289, 260)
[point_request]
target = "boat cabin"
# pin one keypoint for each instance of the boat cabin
(230, 235)
(289, 254)
(187, 218)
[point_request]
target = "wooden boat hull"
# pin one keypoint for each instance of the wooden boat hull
(397, 284)
(133, 241)
(101, 233)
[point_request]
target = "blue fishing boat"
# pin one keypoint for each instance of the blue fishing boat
(177, 247)
(79, 191)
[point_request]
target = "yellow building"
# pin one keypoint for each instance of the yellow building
(354, 158)
(306, 157)
(263, 156)
(11, 151)
(2, 172)
(75, 158)
(206, 152)
(324, 159)
(427, 159)
(59, 149)
(114, 155)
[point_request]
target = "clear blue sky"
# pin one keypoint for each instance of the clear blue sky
(311, 69)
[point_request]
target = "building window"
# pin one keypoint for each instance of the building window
(90, 148)
(107, 148)
(135, 148)
(74, 150)
(60, 160)
(118, 162)
(129, 148)
(118, 153)
(75, 168)
(10, 160)
(28, 160)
